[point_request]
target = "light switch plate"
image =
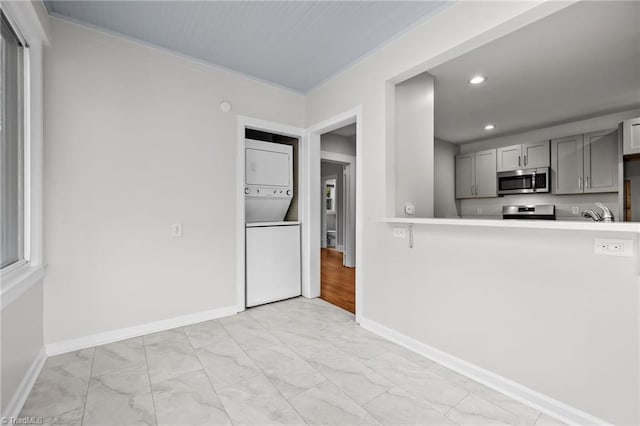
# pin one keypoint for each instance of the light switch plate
(176, 230)
(613, 247)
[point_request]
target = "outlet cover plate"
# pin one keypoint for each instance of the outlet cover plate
(613, 247)
(400, 232)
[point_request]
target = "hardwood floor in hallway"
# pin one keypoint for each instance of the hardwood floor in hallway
(337, 282)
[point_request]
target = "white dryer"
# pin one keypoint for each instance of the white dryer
(268, 181)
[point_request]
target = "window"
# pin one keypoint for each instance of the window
(12, 148)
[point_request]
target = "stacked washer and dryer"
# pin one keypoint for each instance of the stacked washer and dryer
(272, 244)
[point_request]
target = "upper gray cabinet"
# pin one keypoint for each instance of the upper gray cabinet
(476, 174)
(631, 136)
(465, 175)
(567, 165)
(485, 174)
(528, 155)
(509, 158)
(536, 154)
(601, 161)
(585, 163)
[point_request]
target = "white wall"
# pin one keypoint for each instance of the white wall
(136, 142)
(22, 343)
(345, 145)
(414, 145)
(444, 171)
(565, 323)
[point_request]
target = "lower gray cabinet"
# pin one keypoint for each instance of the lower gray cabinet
(476, 174)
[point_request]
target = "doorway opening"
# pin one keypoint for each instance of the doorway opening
(338, 218)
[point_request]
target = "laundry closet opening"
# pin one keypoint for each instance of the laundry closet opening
(337, 214)
(272, 227)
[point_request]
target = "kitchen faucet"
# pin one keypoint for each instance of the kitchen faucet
(606, 216)
(593, 215)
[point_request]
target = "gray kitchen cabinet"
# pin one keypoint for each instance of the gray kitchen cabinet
(509, 158)
(631, 136)
(485, 174)
(567, 164)
(465, 175)
(535, 154)
(601, 161)
(525, 156)
(476, 174)
(585, 163)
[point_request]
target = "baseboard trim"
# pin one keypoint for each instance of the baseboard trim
(71, 345)
(24, 388)
(521, 393)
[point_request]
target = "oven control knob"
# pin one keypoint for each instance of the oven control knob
(288, 192)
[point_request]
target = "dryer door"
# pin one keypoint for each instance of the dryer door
(267, 168)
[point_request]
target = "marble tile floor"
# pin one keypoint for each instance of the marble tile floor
(300, 361)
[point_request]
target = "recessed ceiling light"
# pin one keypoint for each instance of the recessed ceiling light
(489, 126)
(477, 79)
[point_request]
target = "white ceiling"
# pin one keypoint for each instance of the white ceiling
(580, 62)
(295, 44)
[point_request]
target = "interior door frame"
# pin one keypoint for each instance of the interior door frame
(311, 233)
(323, 211)
(349, 202)
(244, 122)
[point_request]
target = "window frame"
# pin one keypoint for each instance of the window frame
(25, 118)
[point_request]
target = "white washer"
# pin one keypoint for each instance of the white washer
(268, 181)
(273, 262)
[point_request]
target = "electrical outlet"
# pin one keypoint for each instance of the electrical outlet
(575, 210)
(614, 247)
(400, 232)
(176, 230)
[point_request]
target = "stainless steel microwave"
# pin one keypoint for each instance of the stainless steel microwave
(524, 181)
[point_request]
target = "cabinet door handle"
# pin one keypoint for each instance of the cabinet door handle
(587, 184)
(472, 190)
(580, 182)
(519, 163)
(525, 160)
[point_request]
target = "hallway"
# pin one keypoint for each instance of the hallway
(337, 282)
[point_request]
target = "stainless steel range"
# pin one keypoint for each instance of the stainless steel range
(539, 212)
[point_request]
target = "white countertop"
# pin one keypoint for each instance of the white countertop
(632, 227)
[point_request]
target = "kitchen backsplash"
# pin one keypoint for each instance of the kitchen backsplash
(492, 207)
